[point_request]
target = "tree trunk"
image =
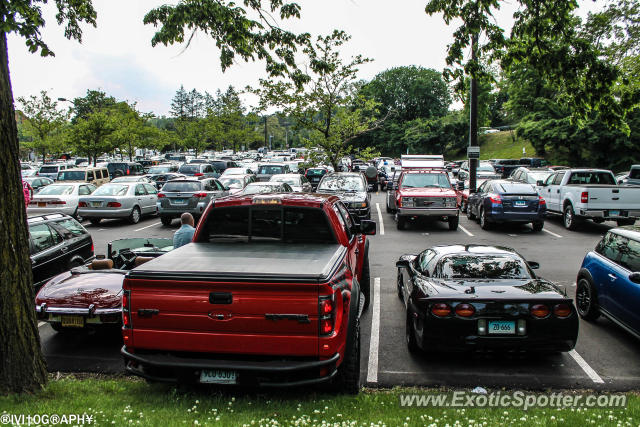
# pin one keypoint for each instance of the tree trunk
(22, 367)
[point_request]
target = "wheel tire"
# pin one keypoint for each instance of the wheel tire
(376, 187)
(484, 221)
(95, 221)
(365, 284)
(389, 209)
(348, 377)
(77, 217)
(623, 222)
(470, 214)
(586, 300)
(134, 217)
(538, 226)
(453, 222)
(401, 222)
(399, 284)
(569, 218)
(410, 336)
(166, 220)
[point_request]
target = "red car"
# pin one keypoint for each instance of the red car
(426, 193)
(268, 293)
(91, 296)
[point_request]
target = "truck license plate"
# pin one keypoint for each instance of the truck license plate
(72, 321)
(218, 376)
(502, 327)
(614, 213)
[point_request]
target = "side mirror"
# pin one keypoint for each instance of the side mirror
(402, 263)
(540, 183)
(368, 227)
(635, 277)
(533, 265)
(460, 185)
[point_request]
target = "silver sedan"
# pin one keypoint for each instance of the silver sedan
(299, 183)
(119, 200)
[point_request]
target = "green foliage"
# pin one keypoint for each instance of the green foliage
(94, 100)
(43, 123)
(438, 135)
(234, 31)
(91, 135)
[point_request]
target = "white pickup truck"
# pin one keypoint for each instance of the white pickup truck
(579, 194)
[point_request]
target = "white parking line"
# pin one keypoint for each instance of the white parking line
(586, 368)
(148, 226)
(465, 230)
(380, 219)
(41, 324)
(372, 369)
(551, 232)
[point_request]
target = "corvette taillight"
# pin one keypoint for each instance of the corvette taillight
(539, 311)
(465, 310)
(562, 310)
(441, 309)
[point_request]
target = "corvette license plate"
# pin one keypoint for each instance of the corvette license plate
(520, 204)
(72, 321)
(614, 213)
(218, 376)
(501, 327)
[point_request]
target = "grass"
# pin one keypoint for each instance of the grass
(500, 145)
(125, 401)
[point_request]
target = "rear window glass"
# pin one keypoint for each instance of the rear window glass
(316, 172)
(516, 188)
(288, 224)
(483, 267)
(182, 186)
(72, 226)
(592, 178)
(111, 190)
(271, 170)
(71, 176)
(189, 169)
(49, 169)
(220, 166)
(56, 190)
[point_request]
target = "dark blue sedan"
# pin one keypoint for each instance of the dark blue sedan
(500, 201)
(609, 280)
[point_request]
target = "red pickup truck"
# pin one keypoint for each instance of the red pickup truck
(426, 193)
(269, 293)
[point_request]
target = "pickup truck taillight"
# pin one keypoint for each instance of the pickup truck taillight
(584, 197)
(326, 309)
(126, 313)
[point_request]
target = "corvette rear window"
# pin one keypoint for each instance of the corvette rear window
(482, 267)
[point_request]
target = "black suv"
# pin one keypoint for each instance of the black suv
(57, 243)
(117, 169)
(505, 166)
(351, 188)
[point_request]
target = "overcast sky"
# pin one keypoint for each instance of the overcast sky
(117, 56)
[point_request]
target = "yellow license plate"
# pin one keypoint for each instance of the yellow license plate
(72, 321)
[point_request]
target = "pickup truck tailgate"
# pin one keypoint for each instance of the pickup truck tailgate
(208, 302)
(613, 197)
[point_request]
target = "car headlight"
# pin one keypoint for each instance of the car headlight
(450, 201)
(359, 204)
(407, 202)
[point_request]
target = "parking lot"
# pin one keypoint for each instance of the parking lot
(605, 356)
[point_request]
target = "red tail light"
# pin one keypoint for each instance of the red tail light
(584, 197)
(126, 314)
(542, 201)
(200, 195)
(495, 198)
(114, 204)
(562, 310)
(82, 204)
(128, 172)
(539, 311)
(465, 310)
(92, 247)
(161, 195)
(441, 309)
(198, 174)
(327, 314)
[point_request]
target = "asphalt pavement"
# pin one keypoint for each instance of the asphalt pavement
(605, 356)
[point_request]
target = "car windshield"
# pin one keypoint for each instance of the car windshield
(258, 189)
(341, 183)
(232, 182)
(160, 169)
(189, 169)
(484, 267)
(485, 167)
(291, 179)
(271, 170)
(422, 180)
(111, 190)
(141, 245)
(56, 190)
(71, 176)
(579, 178)
(181, 186)
(534, 177)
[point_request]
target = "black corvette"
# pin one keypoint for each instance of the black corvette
(482, 298)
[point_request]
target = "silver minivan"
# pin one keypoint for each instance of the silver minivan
(51, 170)
(193, 195)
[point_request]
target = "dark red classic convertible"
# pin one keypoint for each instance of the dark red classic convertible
(91, 296)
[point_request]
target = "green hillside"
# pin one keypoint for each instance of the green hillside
(500, 145)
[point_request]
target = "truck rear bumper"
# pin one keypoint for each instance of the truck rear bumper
(609, 214)
(280, 372)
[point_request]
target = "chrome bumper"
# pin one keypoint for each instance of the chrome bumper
(622, 213)
(89, 311)
(428, 212)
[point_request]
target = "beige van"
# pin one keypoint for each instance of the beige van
(96, 176)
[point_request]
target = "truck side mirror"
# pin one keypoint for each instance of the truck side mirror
(540, 183)
(460, 185)
(367, 227)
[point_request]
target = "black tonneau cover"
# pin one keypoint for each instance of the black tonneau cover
(273, 262)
